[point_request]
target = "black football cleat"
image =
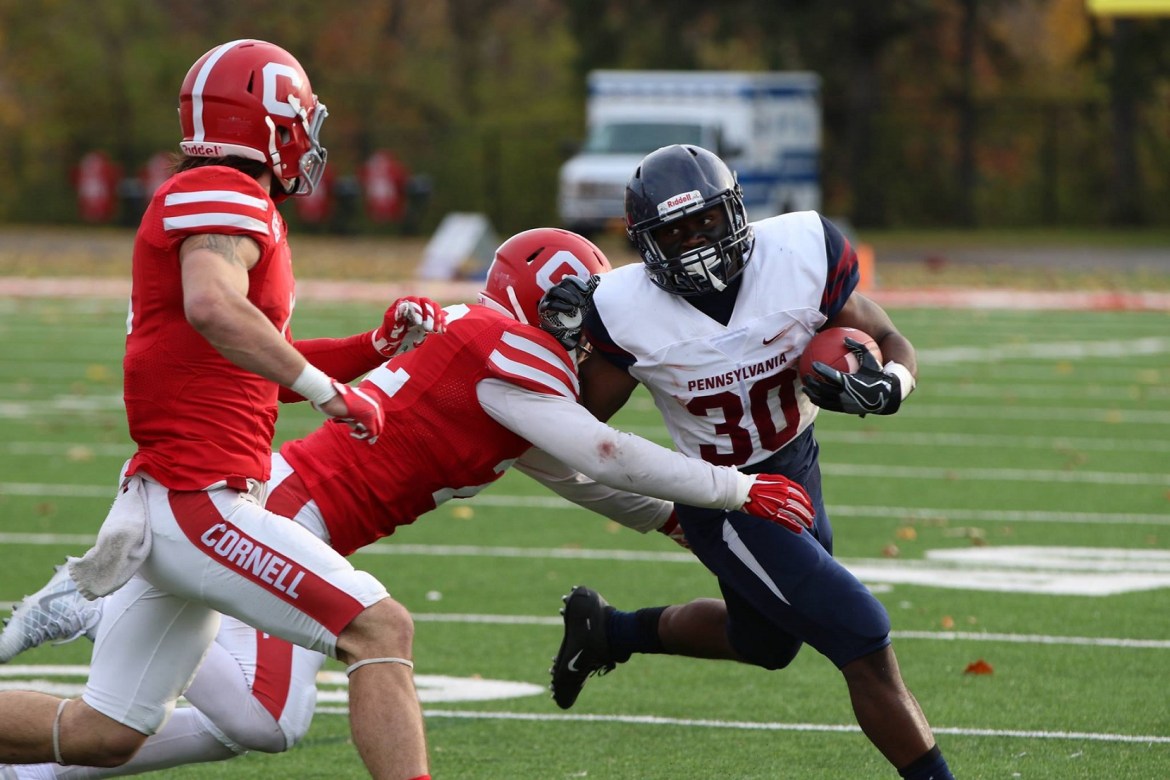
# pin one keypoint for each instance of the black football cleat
(584, 649)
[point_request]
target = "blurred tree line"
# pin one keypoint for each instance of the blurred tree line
(937, 112)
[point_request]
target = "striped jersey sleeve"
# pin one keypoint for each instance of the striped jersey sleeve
(220, 201)
(525, 358)
(843, 274)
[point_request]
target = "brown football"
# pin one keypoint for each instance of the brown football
(828, 347)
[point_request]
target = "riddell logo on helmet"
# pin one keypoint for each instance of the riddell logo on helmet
(679, 201)
(197, 149)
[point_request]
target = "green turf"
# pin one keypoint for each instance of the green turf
(1047, 429)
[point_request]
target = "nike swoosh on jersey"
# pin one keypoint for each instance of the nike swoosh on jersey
(778, 335)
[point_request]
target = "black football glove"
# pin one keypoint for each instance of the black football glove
(869, 390)
(563, 308)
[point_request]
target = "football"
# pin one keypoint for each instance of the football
(828, 347)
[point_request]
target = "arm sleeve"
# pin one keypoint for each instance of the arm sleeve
(620, 460)
(633, 510)
(343, 359)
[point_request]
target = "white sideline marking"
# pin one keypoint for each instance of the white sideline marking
(999, 516)
(1062, 350)
(995, 475)
(441, 688)
(559, 504)
(653, 720)
(1098, 414)
(836, 469)
(332, 686)
(986, 440)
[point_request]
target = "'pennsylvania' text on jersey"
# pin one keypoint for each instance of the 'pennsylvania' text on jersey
(731, 394)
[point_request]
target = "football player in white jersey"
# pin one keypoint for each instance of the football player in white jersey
(713, 323)
(460, 410)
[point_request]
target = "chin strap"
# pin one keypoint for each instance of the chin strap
(57, 733)
(404, 661)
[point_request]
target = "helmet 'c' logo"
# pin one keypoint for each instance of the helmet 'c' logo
(272, 95)
(678, 201)
(563, 263)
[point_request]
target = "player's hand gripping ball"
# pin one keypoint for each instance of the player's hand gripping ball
(841, 370)
(829, 347)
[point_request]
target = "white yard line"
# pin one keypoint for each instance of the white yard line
(554, 503)
(1057, 350)
(917, 473)
(944, 636)
(654, 720)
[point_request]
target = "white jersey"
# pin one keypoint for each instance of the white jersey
(729, 394)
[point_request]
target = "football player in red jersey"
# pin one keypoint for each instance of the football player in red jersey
(208, 350)
(498, 387)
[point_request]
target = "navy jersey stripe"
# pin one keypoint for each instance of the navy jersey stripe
(599, 339)
(843, 274)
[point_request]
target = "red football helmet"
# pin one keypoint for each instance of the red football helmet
(252, 99)
(529, 263)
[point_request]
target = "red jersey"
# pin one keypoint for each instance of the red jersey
(438, 442)
(196, 417)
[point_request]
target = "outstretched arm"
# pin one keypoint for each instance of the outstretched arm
(633, 510)
(628, 462)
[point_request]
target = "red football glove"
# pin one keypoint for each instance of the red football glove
(363, 414)
(672, 529)
(780, 500)
(406, 323)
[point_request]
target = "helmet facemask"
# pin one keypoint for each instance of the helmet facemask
(311, 166)
(705, 269)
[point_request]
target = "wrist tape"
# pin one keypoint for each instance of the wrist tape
(314, 385)
(905, 378)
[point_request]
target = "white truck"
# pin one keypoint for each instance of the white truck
(765, 125)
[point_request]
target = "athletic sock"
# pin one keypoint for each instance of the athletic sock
(633, 632)
(929, 766)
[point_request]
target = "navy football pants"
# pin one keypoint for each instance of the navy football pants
(783, 589)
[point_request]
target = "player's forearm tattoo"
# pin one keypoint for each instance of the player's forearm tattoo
(225, 246)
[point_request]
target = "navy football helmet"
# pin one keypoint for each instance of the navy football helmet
(675, 182)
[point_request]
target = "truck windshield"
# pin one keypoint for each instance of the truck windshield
(640, 137)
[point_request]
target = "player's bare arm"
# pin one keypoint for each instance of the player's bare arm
(866, 315)
(215, 287)
(605, 387)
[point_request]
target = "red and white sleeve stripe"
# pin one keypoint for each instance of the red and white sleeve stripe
(215, 211)
(534, 366)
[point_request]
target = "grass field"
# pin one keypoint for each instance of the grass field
(1017, 511)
